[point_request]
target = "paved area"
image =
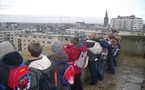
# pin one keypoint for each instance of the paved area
(129, 76)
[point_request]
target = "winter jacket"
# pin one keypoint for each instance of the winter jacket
(61, 58)
(73, 52)
(9, 61)
(44, 65)
(35, 76)
(92, 56)
(41, 64)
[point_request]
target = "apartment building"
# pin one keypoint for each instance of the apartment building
(85, 32)
(8, 33)
(79, 32)
(129, 23)
(21, 41)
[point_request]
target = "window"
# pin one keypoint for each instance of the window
(66, 38)
(48, 42)
(34, 36)
(43, 41)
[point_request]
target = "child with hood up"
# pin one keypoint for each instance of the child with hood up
(59, 56)
(5, 48)
(9, 59)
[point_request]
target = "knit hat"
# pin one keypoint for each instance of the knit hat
(5, 48)
(13, 59)
(56, 47)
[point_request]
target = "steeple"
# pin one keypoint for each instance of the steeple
(106, 15)
(106, 19)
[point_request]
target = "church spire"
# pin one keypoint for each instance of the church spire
(106, 15)
(106, 19)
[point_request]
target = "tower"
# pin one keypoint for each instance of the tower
(106, 19)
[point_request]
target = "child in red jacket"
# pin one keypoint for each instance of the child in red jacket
(73, 49)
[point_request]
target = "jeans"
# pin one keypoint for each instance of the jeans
(93, 70)
(77, 84)
(110, 64)
(115, 59)
(100, 69)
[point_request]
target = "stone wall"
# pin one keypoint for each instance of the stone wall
(133, 45)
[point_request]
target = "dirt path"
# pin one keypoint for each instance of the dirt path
(129, 76)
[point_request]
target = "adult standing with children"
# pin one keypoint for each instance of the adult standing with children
(94, 50)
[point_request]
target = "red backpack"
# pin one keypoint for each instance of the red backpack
(14, 77)
(66, 76)
(19, 78)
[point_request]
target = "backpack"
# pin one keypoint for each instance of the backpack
(104, 44)
(82, 61)
(45, 83)
(18, 78)
(67, 75)
(115, 50)
(96, 49)
(44, 80)
(104, 54)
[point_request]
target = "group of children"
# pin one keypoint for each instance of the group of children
(55, 63)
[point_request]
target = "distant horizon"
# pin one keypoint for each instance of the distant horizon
(51, 19)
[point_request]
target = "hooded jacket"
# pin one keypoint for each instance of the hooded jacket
(44, 65)
(73, 52)
(92, 56)
(5, 48)
(41, 64)
(9, 61)
(58, 56)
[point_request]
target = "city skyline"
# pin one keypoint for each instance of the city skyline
(67, 10)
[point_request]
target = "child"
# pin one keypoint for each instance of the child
(37, 61)
(73, 49)
(60, 57)
(10, 60)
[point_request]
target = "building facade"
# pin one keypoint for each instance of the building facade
(129, 23)
(21, 41)
(8, 34)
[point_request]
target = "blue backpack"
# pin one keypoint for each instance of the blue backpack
(104, 44)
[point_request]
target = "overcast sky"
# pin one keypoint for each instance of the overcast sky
(73, 8)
